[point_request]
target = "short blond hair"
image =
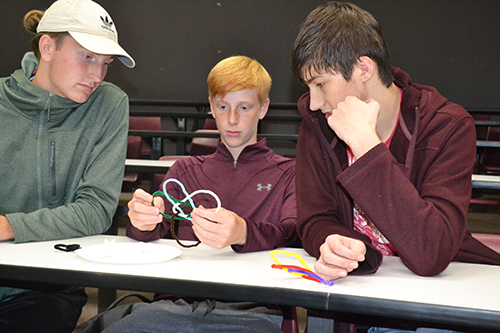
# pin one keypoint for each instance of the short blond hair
(237, 73)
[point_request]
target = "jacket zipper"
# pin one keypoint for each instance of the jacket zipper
(348, 205)
(39, 150)
(231, 183)
(52, 166)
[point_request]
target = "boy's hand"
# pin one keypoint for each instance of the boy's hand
(6, 230)
(355, 122)
(339, 256)
(218, 229)
(142, 214)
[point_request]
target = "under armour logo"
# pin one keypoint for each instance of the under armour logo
(260, 187)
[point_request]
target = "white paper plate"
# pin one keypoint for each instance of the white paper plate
(128, 253)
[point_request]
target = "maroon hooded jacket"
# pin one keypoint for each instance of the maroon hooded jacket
(416, 192)
(259, 187)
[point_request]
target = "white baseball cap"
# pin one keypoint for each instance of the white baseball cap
(88, 23)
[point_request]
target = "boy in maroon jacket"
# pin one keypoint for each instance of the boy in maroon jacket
(388, 162)
(258, 206)
(256, 187)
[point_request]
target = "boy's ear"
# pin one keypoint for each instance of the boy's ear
(46, 45)
(366, 67)
(211, 108)
(264, 108)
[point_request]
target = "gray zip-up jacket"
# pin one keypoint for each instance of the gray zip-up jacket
(61, 163)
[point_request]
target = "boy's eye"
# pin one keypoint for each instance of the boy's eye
(246, 107)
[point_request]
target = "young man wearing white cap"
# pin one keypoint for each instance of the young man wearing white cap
(64, 136)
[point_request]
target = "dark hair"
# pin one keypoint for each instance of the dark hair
(30, 22)
(334, 36)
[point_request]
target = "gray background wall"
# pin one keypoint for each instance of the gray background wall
(453, 45)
